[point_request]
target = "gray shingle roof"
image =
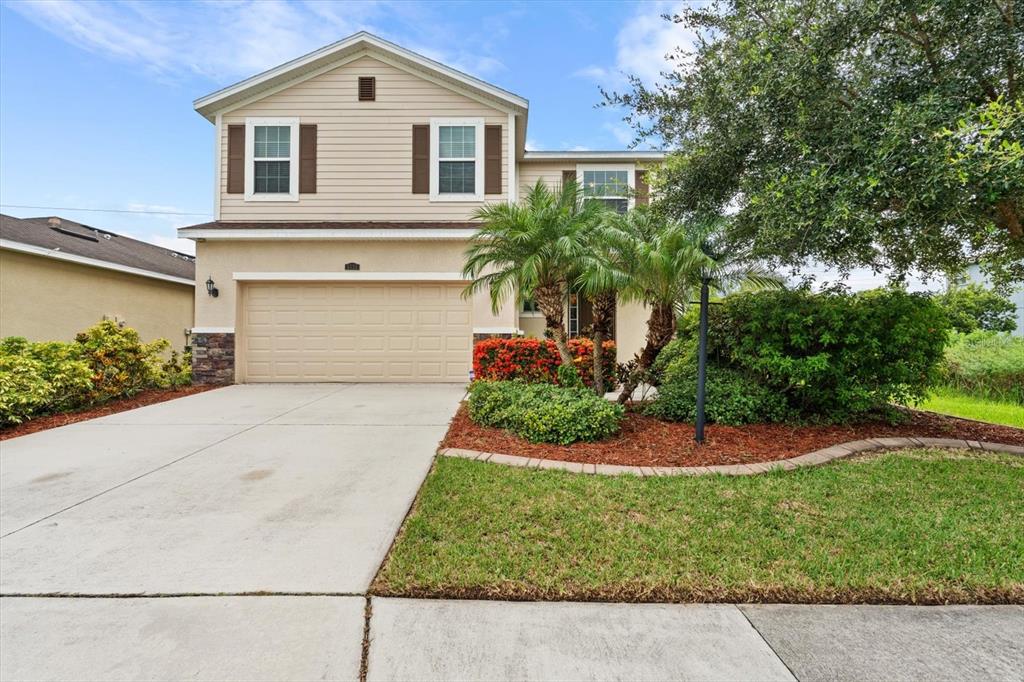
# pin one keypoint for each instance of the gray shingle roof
(67, 236)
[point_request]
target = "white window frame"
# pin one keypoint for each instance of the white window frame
(630, 169)
(529, 313)
(250, 159)
(435, 161)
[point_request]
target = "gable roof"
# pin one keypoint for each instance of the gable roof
(353, 46)
(67, 240)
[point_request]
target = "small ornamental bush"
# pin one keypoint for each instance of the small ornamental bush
(536, 360)
(121, 363)
(23, 390)
(987, 365)
(543, 413)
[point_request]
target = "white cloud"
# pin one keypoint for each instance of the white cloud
(533, 145)
(579, 148)
(594, 73)
(642, 45)
(231, 40)
(620, 131)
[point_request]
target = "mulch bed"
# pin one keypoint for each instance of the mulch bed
(645, 441)
(52, 421)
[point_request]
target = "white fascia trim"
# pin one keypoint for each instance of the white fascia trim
(218, 128)
(348, 276)
(630, 169)
(93, 262)
(293, 158)
(497, 330)
(478, 161)
(213, 330)
(513, 167)
(440, 234)
(373, 41)
(594, 156)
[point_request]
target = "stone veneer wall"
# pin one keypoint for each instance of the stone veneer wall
(213, 358)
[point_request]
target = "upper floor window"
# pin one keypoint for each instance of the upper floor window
(271, 152)
(456, 159)
(610, 186)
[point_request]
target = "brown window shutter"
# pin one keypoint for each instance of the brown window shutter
(307, 159)
(421, 159)
(236, 159)
(568, 176)
(642, 189)
(367, 88)
(492, 159)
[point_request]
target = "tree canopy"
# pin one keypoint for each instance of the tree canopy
(879, 133)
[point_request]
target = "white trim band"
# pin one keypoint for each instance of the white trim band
(364, 234)
(348, 276)
(93, 262)
(213, 330)
(497, 330)
(587, 157)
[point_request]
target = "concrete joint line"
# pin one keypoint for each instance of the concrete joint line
(816, 458)
(768, 644)
(172, 462)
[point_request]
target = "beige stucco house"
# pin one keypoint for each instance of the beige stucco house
(346, 181)
(59, 277)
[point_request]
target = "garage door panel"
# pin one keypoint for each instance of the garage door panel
(356, 332)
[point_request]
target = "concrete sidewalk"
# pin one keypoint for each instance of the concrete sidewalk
(478, 640)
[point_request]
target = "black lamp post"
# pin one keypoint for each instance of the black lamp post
(702, 358)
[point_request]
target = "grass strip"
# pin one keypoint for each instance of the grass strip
(919, 527)
(957, 404)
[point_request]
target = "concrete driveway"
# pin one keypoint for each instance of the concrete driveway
(280, 489)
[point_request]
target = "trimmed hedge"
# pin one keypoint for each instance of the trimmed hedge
(536, 360)
(104, 362)
(543, 413)
(831, 356)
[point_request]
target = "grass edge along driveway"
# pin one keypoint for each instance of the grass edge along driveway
(914, 526)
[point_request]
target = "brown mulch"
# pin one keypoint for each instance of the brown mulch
(52, 421)
(645, 441)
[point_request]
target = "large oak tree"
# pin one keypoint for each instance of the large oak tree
(880, 133)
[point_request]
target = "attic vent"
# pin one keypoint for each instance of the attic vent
(367, 88)
(79, 235)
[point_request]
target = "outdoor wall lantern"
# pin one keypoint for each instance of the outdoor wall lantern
(210, 289)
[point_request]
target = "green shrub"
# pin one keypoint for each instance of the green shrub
(986, 365)
(543, 413)
(104, 362)
(23, 390)
(121, 363)
(972, 307)
(569, 377)
(833, 355)
(730, 397)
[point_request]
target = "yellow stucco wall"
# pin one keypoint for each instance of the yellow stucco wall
(222, 259)
(44, 299)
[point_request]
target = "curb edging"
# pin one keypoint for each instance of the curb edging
(816, 458)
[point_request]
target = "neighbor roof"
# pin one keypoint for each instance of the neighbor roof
(67, 240)
(590, 155)
(352, 46)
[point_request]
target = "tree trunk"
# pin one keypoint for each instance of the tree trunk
(550, 299)
(661, 326)
(603, 306)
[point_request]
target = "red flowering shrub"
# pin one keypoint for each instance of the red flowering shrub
(536, 360)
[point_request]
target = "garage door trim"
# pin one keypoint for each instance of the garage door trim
(350, 276)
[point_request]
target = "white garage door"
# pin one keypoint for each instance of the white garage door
(333, 331)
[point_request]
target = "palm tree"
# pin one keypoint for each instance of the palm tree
(601, 275)
(664, 262)
(532, 249)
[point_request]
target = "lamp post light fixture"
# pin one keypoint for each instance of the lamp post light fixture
(210, 289)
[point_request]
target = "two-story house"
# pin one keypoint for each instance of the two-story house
(345, 183)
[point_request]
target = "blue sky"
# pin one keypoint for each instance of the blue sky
(96, 97)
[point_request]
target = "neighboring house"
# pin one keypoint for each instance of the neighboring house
(975, 275)
(59, 277)
(345, 186)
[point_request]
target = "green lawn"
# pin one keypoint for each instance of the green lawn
(921, 526)
(947, 401)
